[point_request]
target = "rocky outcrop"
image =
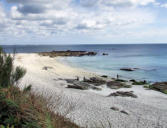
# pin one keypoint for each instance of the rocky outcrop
(115, 84)
(46, 68)
(104, 76)
(127, 69)
(67, 53)
(124, 112)
(80, 85)
(95, 81)
(124, 94)
(105, 54)
(160, 86)
(115, 108)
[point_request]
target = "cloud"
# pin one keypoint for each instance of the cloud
(31, 8)
(54, 17)
(164, 5)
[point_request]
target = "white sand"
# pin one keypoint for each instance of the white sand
(149, 110)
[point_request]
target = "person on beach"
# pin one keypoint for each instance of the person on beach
(117, 76)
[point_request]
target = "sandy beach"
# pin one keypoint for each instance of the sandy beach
(92, 108)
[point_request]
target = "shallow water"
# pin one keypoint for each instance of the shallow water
(151, 59)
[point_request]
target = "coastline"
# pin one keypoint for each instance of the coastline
(93, 106)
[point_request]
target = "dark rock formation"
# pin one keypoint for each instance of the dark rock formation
(124, 112)
(46, 68)
(127, 69)
(124, 94)
(67, 53)
(95, 81)
(160, 86)
(104, 76)
(132, 80)
(80, 85)
(115, 108)
(115, 84)
(105, 54)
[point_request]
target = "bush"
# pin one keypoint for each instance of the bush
(22, 109)
(8, 74)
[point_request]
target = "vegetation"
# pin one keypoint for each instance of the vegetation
(8, 74)
(22, 109)
(165, 91)
(139, 83)
(121, 80)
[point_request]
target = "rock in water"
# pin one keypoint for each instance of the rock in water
(124, 94)
(67, 53)
(105, 54)
(127, 69)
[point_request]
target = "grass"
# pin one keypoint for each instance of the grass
(139, 83)
(20, 109)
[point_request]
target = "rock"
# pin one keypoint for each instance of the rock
(104, 76)
(115, 108)
(67, 53)
(115, 84)
(132, 80)
(79, 85)
(160, 86)
(124, 94)
(76, 87)
(124, 112)
(82, 85)
(46, 67)
(95, 81)
(71, 81)
(105, 54)
(127, 69)
(95, 88)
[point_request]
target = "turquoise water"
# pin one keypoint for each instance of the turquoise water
(151, 59)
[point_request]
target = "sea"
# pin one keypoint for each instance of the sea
(149, 59)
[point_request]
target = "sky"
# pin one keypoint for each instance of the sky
(83, 21)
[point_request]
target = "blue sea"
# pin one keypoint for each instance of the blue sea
(151, 59)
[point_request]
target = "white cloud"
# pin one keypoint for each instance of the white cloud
(53, 17)
(164, 5)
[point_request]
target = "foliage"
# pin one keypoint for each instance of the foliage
(165, 91)
(8, 74)
(139, 83)
(22, 109)
(121, 80)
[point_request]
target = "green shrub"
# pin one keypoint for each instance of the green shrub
(165, 91)
(121, 80)
(127, 86)
(139, 83)
(8, 74)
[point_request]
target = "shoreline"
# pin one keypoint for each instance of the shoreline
(93, 106)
